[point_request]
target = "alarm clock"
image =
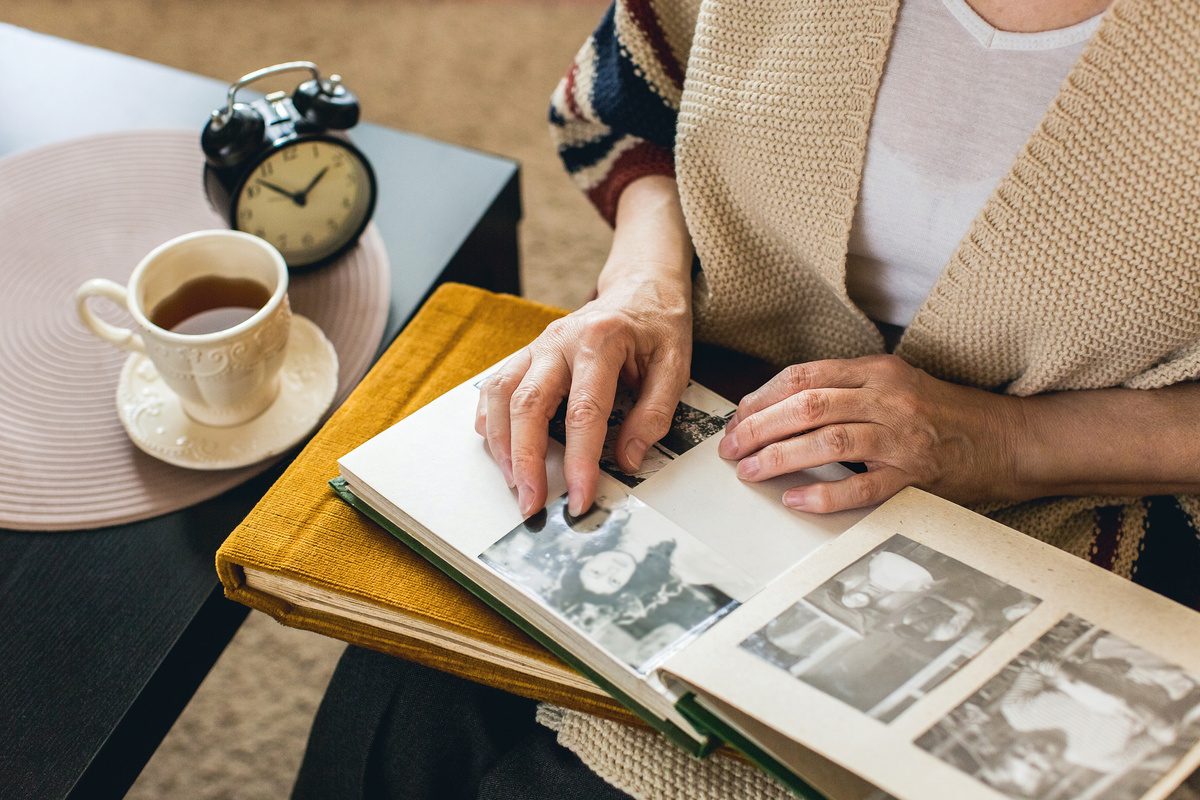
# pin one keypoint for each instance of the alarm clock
(283, 169)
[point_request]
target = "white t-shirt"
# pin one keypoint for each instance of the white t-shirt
(957, 101)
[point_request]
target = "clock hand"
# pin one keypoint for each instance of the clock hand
(302, 196)
(298, 199)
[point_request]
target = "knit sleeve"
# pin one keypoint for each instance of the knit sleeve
(612, 116)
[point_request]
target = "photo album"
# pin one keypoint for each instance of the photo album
(910, 651)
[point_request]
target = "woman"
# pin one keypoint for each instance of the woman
(965, 230)
(1075, 268)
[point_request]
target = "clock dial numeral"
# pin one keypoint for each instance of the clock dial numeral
(290, 154)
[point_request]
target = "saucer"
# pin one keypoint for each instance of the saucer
(157, 424)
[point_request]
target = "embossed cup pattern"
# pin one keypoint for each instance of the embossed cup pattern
(230, 381)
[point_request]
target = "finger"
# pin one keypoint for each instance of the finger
(497, 394)
(593, 388)
(650, 419)
(803, 411)
(831, 374)
(856, 491)
(531, 406)
(837, 442)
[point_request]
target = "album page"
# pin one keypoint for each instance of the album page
(660, 557)
(935, 653)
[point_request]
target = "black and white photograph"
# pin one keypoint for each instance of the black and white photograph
(621, 575)
(889, 628)
(689, 427)
(1081, 713)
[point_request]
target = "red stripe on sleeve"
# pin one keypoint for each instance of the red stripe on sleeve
(647, 20)
(644, 158)
(569, 91)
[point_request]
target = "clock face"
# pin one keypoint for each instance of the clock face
(308, 198)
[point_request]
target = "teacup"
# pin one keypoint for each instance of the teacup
(212, 315)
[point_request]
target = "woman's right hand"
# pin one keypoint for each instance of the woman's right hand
(638, 329)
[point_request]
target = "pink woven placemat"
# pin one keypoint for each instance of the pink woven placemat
(92, 208)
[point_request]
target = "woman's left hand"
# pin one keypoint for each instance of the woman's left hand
(907, 427)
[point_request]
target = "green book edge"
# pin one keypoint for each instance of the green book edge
(706, 720)
(665, 727)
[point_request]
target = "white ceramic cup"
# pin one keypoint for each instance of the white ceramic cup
(226, 377)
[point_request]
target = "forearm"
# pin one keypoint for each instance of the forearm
(650, 240)
(1105, 441)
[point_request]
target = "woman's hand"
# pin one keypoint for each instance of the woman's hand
(908, 428)
(965, 444)
(638, 329)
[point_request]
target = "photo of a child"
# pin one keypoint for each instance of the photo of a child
(619, 574)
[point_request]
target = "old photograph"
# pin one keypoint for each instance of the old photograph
(689, 427)
(886, 630)
(1080, 713)
(620, 574)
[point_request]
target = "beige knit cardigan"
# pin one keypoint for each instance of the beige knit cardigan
(1081, 271)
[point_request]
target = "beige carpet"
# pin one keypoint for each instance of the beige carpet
(476, 74)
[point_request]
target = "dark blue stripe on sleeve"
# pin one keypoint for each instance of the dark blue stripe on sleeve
(622, 99)
(623, 102)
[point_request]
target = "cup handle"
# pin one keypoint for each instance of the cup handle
(121, 337)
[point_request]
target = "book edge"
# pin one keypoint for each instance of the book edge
(707, 721)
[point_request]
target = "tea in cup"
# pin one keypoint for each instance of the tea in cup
(212, 315)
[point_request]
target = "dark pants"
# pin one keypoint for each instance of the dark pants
(390, 729)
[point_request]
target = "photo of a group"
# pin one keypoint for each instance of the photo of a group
(620, 574)
(699, 415)
(886, 630)
(1080, 713)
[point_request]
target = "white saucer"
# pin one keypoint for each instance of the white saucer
(157, 424)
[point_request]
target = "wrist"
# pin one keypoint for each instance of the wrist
(1022, 464)
(992, 443)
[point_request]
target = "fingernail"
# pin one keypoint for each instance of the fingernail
(506, 468)
(525, 499)
(574, 503)
(748, 467)
(796, 498)
(728, 448)
(634, 451)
